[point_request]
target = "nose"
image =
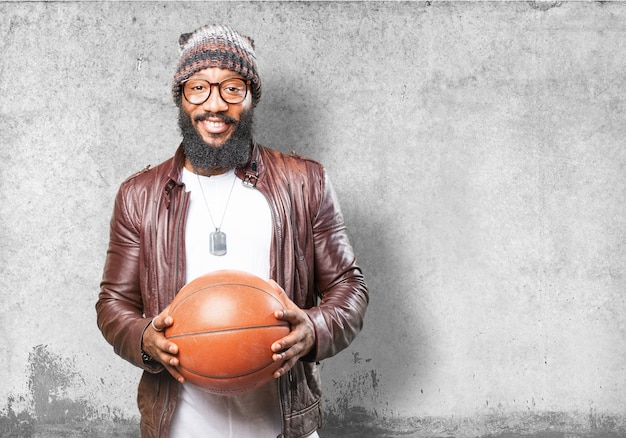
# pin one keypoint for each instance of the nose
(215, 103)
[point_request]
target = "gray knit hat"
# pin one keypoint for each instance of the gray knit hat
(216, 46)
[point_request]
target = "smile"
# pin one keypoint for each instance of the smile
(214, 127)
(214, 124)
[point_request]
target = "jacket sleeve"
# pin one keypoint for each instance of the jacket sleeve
(344, 297)
(120, 307)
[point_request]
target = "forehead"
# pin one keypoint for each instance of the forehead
(215, 74)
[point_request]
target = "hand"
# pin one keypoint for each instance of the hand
(298, 342)
(155, 344)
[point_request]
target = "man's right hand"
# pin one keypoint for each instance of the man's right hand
(161, 349)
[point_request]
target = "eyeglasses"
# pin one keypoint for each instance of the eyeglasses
(197, 91)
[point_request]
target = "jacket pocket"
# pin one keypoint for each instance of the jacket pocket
(305, 389)
(148, 404)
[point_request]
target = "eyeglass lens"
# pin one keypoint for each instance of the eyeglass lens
(197, 91)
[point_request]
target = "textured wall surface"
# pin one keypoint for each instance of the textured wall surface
(478, 150)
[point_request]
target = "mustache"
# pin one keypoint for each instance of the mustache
(225, 118)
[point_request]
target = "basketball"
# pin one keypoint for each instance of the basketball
(224, 326)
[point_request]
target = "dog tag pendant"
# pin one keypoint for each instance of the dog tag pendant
(217, 242)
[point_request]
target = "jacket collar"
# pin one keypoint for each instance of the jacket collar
(250, 173)
(174, 173)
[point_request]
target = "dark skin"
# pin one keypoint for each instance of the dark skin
(301, 339)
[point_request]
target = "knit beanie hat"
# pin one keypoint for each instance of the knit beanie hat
(216, 46)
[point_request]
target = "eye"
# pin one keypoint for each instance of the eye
(196, 86)
(234, 86)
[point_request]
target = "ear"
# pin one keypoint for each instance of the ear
(182, 40)
(251, 41)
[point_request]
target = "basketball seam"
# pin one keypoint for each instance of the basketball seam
(226, 284)
(233, 329)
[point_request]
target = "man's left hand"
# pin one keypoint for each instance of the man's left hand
(298, 342)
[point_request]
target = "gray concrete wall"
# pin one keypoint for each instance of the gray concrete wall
(477, 148)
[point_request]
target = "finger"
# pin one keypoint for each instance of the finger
(277, 357)
(293, 351)
(162, 350)
(162, 320)
(170, 347)
(154, 326)
(159, 324)
(155, 343)
(285, 343)
(290, 316)
(285, 368)
(167, 357)
(173, 370)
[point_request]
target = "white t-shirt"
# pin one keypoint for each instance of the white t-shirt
(247, 222)
(243, 215)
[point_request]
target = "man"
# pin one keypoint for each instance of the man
(225, 202)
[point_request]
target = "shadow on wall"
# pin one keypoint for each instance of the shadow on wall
(393, 340)
(288, 118)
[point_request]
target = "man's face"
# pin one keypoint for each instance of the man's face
(215, 120)
(217, 135)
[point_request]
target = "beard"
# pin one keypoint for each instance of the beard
(235, 152)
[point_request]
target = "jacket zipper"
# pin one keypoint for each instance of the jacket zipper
(277, 261)
(167, 402)
(179, 218)
(277, 229)
(153, 271)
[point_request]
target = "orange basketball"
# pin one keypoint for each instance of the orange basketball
(224, 326)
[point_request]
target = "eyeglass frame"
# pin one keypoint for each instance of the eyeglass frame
(219, 89)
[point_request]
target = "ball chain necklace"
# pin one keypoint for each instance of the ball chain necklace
(217, 239)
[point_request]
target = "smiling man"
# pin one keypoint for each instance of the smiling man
(222, 120)
(224, 201)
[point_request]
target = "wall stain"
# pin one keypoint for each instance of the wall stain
(346, 417)
(362, 385)
(358, 422)
(51, 381)
(55, 406)
(56, 411)
(15, 425)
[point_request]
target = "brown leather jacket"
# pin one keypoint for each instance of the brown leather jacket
(311, 259)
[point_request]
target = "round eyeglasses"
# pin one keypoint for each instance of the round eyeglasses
(197, 91)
